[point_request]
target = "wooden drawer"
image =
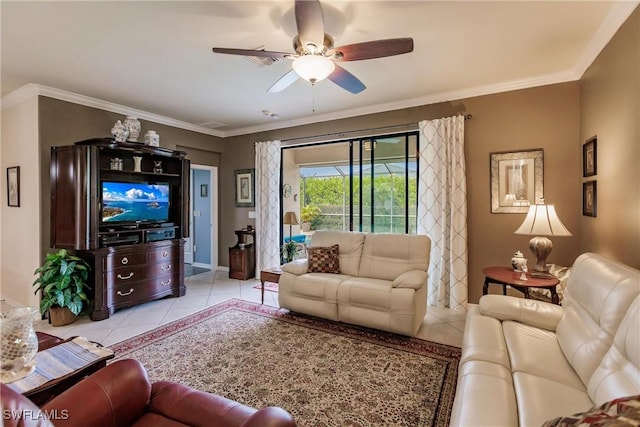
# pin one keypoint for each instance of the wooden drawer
(127, 294)
(164, 254)
(119, 260)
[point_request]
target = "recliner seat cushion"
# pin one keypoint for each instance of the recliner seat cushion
(387, 256)
(536, 352)
(599, 293)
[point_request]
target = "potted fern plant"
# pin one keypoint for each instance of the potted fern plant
(62, 280)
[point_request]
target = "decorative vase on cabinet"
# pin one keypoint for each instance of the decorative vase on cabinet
(152, 138)
(119, 132)
(137, 162)
(132, 124)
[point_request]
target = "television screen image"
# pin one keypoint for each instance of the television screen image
(134, 202)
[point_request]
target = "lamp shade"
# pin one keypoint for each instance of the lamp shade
(290, 218)
(313, 68)
(542, 220)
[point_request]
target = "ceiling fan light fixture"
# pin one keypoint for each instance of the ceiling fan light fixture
(313, 68)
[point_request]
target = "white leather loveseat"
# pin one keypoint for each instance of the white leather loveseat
(382, 282)
(525, 362)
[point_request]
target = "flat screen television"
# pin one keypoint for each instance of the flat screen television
(134, 202)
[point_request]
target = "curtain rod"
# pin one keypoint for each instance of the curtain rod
(346, 133)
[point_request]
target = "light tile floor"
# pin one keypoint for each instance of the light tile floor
(207, 289)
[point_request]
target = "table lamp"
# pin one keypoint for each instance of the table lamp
(542, 221)
(290, 219)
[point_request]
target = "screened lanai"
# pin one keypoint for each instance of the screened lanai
(382, 196)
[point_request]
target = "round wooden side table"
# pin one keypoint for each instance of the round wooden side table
(505, 276)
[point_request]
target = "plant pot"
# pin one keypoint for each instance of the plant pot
(60, 316)
(305, 227)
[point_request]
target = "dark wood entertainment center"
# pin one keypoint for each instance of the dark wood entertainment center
(132, 261)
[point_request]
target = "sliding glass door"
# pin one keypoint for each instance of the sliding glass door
(384, 183)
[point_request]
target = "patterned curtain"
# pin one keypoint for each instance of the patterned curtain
(442, 209)
(268, 157)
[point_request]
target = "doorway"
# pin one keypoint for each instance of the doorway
(201, 248)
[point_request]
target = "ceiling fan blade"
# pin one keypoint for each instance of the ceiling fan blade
(346, 80)
(375, 49)
(254, 52)
(284, 82)
(310, 22)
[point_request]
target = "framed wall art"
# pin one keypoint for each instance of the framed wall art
(589, 198)
(13, 186)
(245, 192)
(590, 157)
(516, 180)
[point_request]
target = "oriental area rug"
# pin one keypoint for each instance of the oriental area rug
(324, 373)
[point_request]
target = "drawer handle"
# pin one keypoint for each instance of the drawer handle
(167, 283)
(125, 261)
(167, 268)
(124, 294)
(120, 276)
(165, 254)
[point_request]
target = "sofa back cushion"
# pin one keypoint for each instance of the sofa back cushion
(387, 256)
(619, 372)
(598, 295)
(349, 248)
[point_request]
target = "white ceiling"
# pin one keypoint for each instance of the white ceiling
(155, 56)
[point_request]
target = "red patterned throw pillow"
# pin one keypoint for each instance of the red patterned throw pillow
(624, 411)
(323, 259)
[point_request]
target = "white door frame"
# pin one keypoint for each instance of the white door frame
(213, 185)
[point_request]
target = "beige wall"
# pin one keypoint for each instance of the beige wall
(544, 117)
(610, 109)
(20, 232)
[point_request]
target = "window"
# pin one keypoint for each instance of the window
(363, 184)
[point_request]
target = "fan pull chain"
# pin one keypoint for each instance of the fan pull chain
(313, 98)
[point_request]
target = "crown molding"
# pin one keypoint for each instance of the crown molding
(619, 13)
(30, 90)
(543, 80)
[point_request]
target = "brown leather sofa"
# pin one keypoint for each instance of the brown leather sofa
(121, 395)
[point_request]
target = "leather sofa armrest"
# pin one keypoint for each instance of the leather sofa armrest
(270, 417)
(18, 411)
(297, 267)
(531, 312)
(414, 279)
(115, 395)
(188, 406)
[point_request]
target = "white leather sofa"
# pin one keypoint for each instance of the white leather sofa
(382, 282)
(525, 362)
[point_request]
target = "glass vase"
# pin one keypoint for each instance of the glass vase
(18, 343)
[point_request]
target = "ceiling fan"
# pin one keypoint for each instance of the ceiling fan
(315, 56)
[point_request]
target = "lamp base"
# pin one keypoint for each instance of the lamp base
(541, 247)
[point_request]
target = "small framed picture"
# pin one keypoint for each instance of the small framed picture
(590, 157)
(204, 190)
(589, 198)
(13, 186)
(516, 180)
(245, 181)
